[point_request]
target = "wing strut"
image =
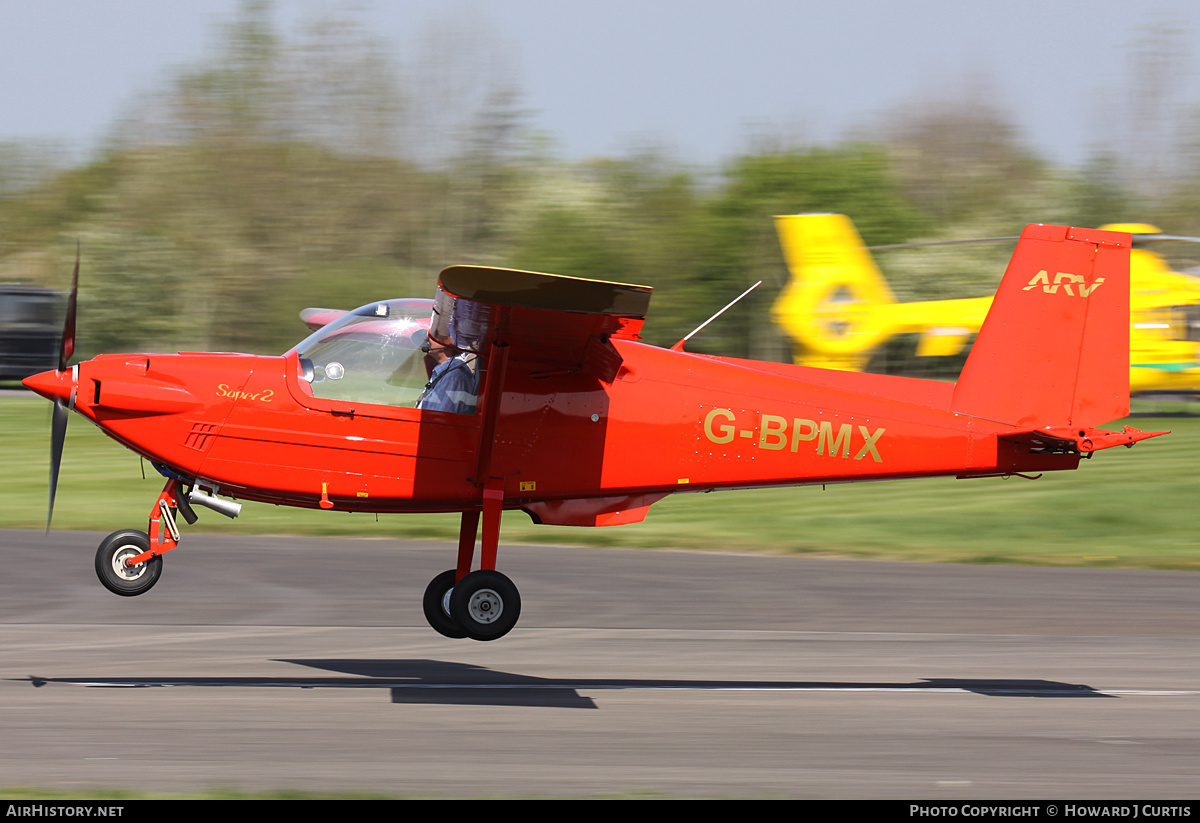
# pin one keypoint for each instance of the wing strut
(492, 488)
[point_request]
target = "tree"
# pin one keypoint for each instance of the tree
(958, 157)
(741, 246)
(636, 219)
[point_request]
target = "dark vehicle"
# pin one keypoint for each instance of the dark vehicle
(30, 325)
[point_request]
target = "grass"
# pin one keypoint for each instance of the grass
(1132, 508)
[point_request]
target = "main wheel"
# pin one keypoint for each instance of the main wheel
(437, 605)
(115, 575)
(486, 604)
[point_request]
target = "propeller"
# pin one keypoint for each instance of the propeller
(58, 423)
(68, 337)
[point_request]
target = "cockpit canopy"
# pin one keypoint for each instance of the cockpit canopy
(370, 355)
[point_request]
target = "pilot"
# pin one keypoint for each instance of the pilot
(453, 383)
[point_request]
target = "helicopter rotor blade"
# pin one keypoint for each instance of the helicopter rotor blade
(926, 243)
(1138, 240)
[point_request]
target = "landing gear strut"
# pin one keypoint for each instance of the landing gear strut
(482, 604)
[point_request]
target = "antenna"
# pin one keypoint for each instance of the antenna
(679, 346)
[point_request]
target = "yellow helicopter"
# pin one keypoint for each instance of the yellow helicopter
(838, 310)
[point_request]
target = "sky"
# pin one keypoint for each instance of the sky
(700, 78)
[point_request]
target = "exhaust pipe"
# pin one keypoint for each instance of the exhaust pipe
(229, 508)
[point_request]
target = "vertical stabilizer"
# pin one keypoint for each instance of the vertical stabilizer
(1054, 349)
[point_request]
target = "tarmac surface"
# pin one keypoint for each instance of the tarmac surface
(304, 664)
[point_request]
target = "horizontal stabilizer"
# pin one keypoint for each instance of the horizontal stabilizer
(1069, 440)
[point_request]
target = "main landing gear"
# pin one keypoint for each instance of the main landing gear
(481, 604)
(484, 605)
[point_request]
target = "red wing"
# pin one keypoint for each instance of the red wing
(552, 324)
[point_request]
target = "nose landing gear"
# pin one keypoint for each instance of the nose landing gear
(129, 562)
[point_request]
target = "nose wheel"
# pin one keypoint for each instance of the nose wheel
(119, 577)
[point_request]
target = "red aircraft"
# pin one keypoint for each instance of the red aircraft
(520, 390)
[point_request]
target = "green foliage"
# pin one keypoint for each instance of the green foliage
(857, 180)
(570, 241)
(194, 246)
(33, 218)
(741, 247)
(635, 220)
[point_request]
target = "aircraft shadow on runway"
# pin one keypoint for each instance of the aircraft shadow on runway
(441, 682)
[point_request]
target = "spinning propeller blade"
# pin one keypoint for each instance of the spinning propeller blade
(58, 434)
(58, 423)
(67, 348)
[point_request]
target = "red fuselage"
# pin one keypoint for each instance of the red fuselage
(670, 421)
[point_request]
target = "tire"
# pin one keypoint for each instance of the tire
(486, 604)
(436, 601)
(111, 570)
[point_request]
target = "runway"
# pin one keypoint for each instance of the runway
(269, 664)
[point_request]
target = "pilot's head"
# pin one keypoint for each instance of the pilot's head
(438, 348)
